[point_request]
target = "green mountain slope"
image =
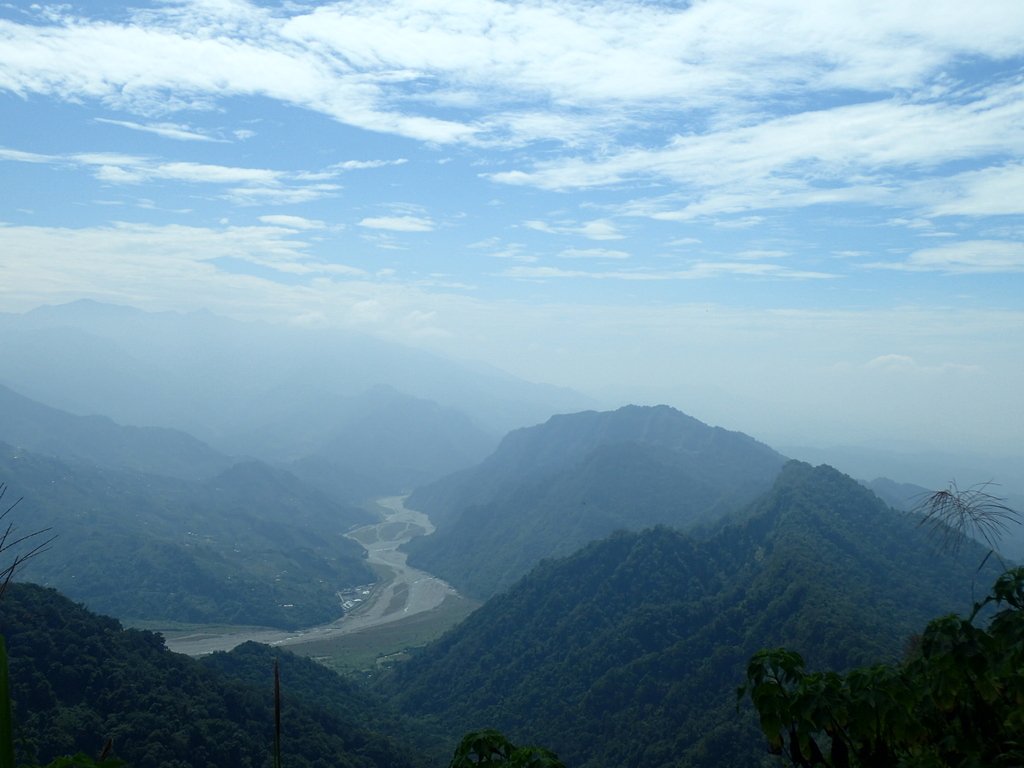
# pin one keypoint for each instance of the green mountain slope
(79, 679)
(550, 489)
(629, 651)
(250, 546)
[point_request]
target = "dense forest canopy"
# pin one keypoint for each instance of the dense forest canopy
(629, 651)
(78, 679)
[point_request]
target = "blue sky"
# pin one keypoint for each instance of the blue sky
(803, 220)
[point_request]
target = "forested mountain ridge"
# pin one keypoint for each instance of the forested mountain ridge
(550, 489)
(78, 679)
(250, 546)
(629, 651)
(565, 440)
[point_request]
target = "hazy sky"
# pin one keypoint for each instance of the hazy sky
(800, 219)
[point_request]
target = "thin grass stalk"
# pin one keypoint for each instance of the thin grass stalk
(277, 716)
(6, 727)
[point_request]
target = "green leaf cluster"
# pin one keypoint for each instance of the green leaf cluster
(957, 701)
(489, 748)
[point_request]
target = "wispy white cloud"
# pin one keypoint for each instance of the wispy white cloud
(383, 241)
(992, 191)
(204, 173)
(592, 253)
(398, 223)
(600, 229)
(126, 257)
(753, 269)
(490, 74)
(292, 222)
(19, 156)
(540, 226)
(258, 185)
(897, 363)
(357, 165)
(915, 223)
(544, 273)
(166, 130)
(563, 70)
(497, 249)
(279, 194)
(743, 222)
(891, 361)
(698, 271)
(597, 229)
(848, 154)
(968, 256)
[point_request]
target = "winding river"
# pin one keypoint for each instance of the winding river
(402, 591)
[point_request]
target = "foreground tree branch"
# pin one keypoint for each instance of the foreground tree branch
(10, 543)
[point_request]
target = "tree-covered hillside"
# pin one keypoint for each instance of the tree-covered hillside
(550, 489)
(249, 546)
(79, 679)
(629, 652)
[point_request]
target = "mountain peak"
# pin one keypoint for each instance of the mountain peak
(552, 488)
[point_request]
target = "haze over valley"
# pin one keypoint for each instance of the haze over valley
(414, 384)
(405, 541)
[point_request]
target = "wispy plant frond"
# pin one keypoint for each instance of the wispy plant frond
(955, 515)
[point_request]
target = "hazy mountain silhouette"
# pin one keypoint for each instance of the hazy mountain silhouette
(356, 416)
(221, 379)
(101, 441)
(385, 442)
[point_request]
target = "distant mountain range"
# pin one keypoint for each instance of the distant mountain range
(629, 651)
(224, 381)
(548, 490)
(101, 441)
